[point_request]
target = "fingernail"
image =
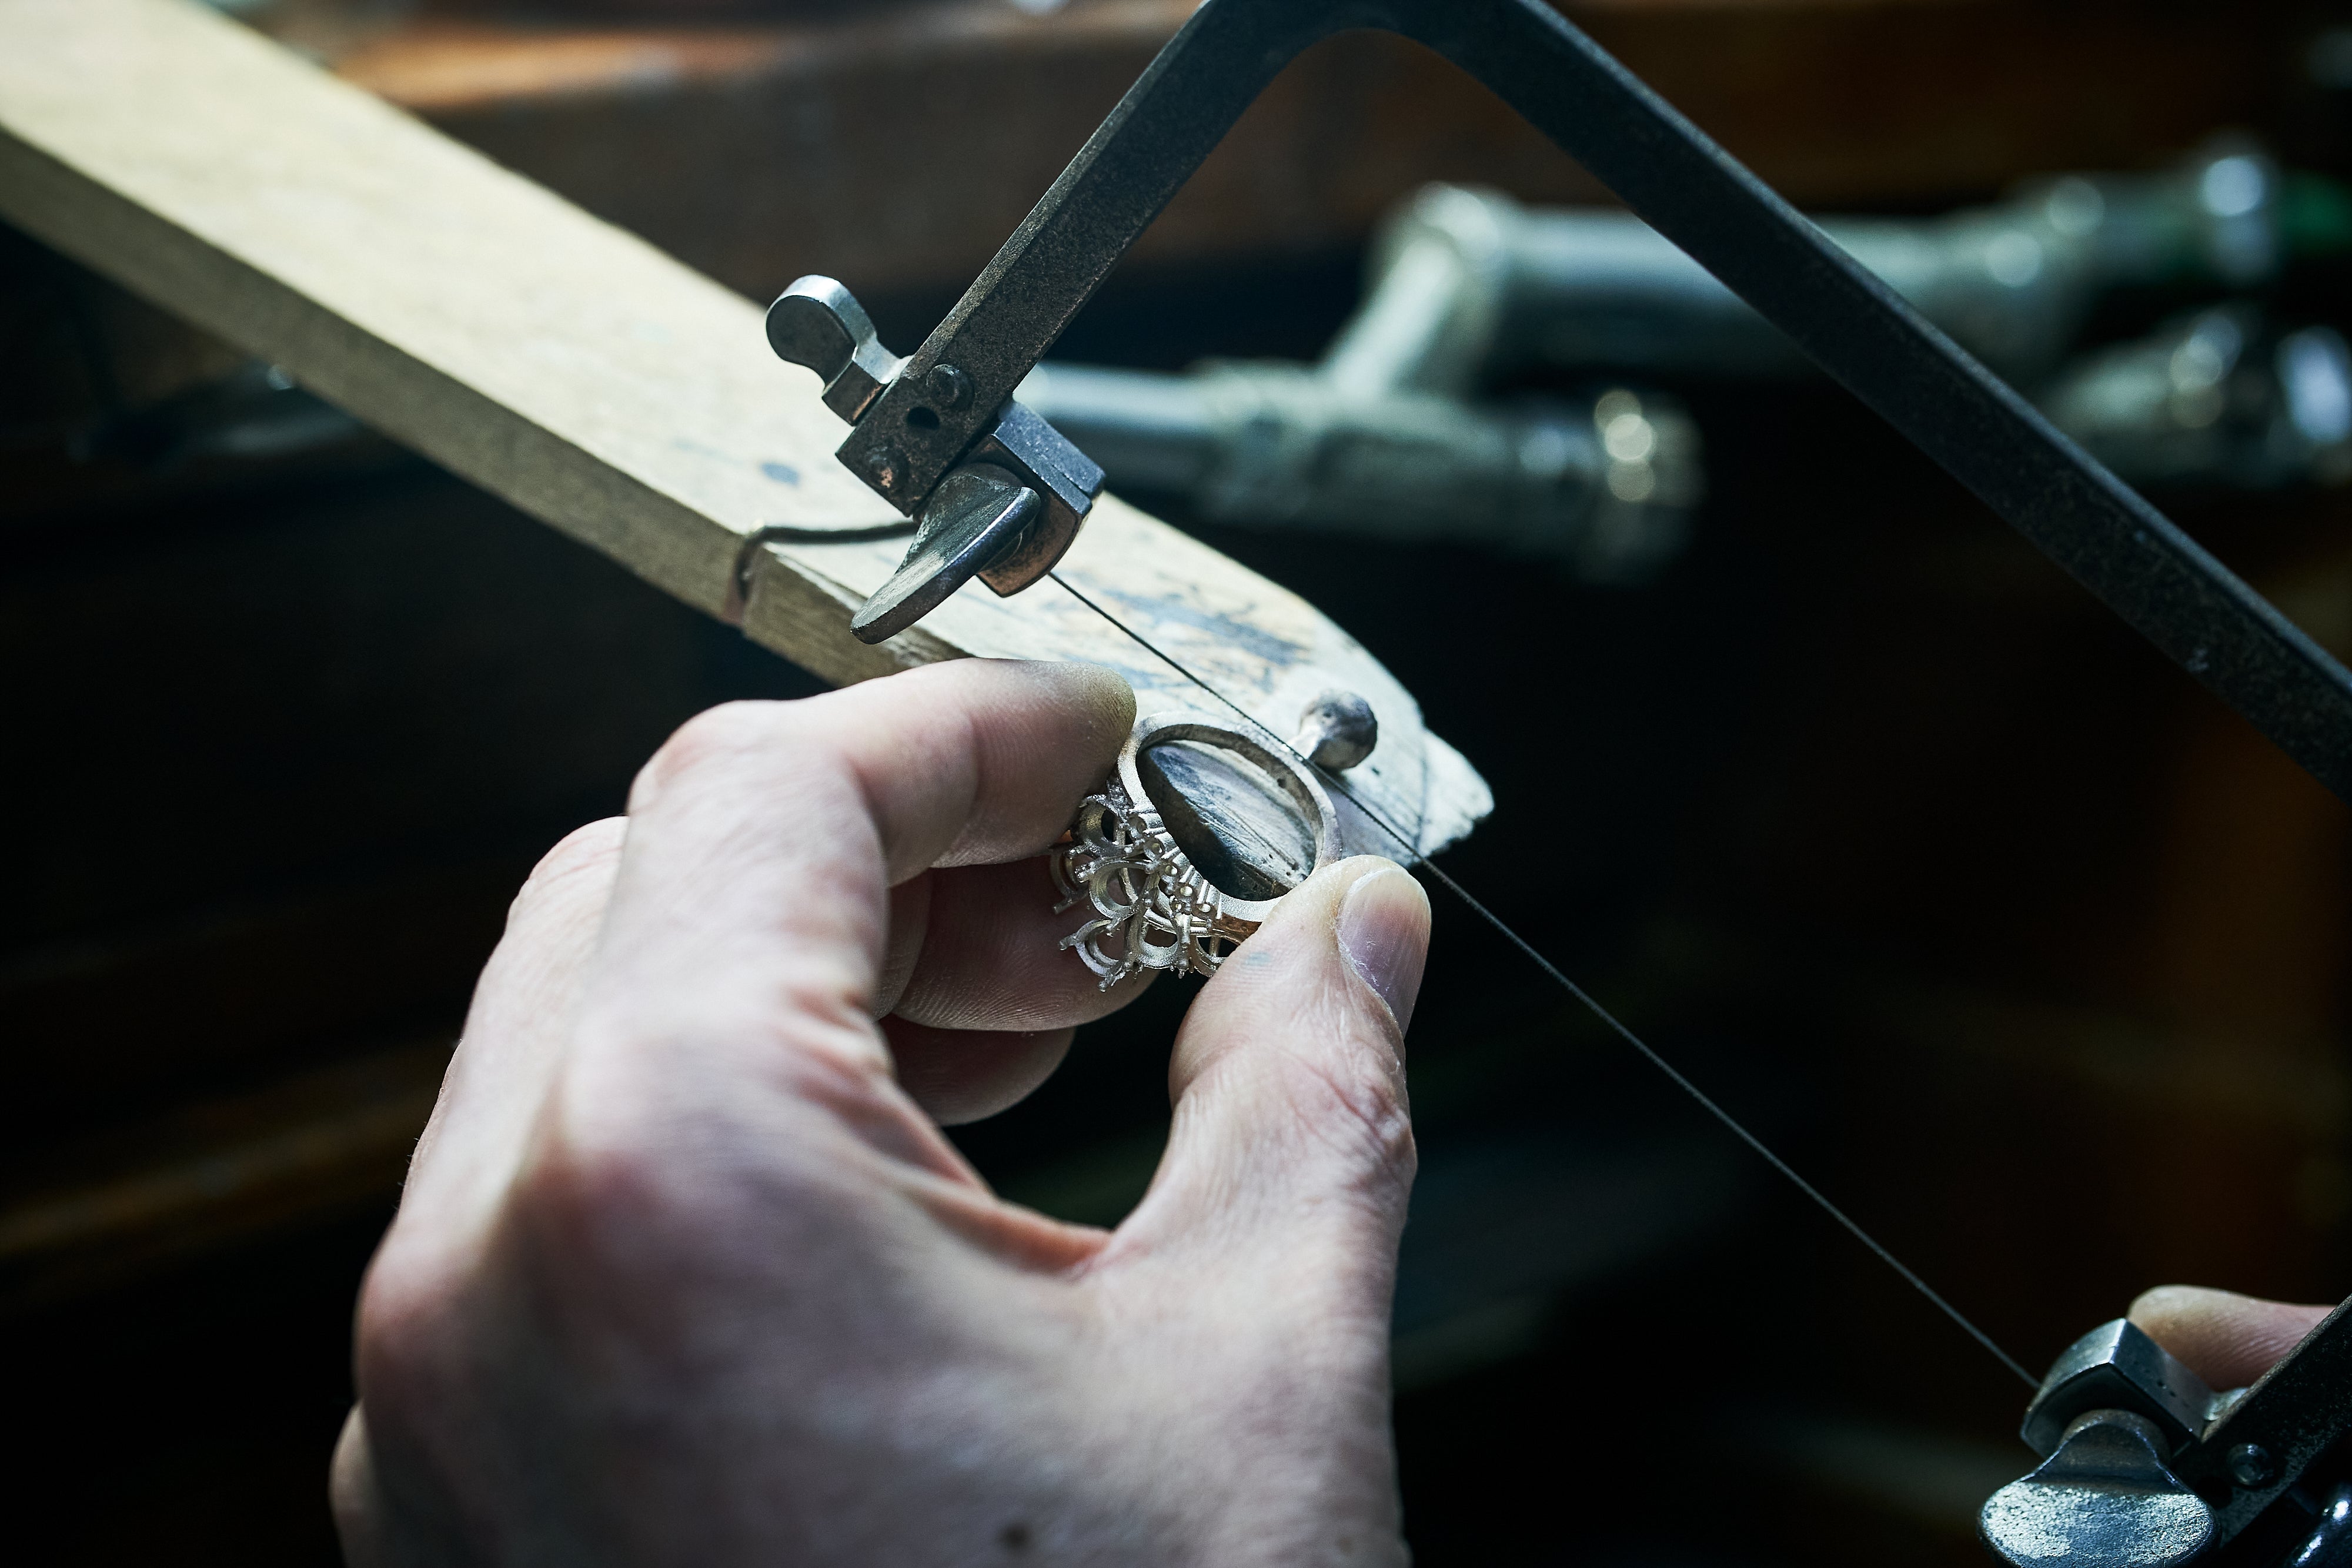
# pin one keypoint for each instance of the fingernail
(1384, 931)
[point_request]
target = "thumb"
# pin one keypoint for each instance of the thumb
(1291, 1143)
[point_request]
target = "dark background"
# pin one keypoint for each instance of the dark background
(2022, 947)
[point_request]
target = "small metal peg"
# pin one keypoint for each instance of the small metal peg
(818, 323)
(2251, 1465)
(949, 386)
(1336, 730)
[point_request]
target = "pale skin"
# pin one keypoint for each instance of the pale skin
(685, 1271)
(2226, 1339)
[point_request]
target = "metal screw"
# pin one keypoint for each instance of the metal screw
(883, 465)
(948, 385)
(2251, 1465)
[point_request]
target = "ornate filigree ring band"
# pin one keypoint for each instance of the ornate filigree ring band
(1152, 908)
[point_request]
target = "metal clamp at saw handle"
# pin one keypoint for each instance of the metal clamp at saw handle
(2147, 1467)
(1005, 513)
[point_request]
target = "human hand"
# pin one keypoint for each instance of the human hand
(2226, 1339)
(684, 1272)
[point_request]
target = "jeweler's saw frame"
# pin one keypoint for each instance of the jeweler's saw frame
(939, 436)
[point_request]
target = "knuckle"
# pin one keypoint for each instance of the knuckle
(587, 852)
(409, 1339)
(605, 1165)
(715, 737)
(639, 1179)
(589, 1204)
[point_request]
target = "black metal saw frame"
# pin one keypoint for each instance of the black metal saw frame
(1673, 177)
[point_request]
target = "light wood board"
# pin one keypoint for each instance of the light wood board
(592, 381)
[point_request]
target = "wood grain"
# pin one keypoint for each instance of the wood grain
(582, 375)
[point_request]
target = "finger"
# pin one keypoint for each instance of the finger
(993, 959)
(2226, 1339)
(742, 951)
(960, 1075)
(769, 829)
(910, 920)
(523, 1006)
(1291, 1149)
(965, 763)
(352, 1495)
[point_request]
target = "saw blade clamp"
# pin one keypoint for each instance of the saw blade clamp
(2146, 1466)
(1006, 512)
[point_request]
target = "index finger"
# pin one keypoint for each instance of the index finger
(762, 838)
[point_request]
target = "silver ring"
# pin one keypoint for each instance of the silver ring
(1153, 909)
